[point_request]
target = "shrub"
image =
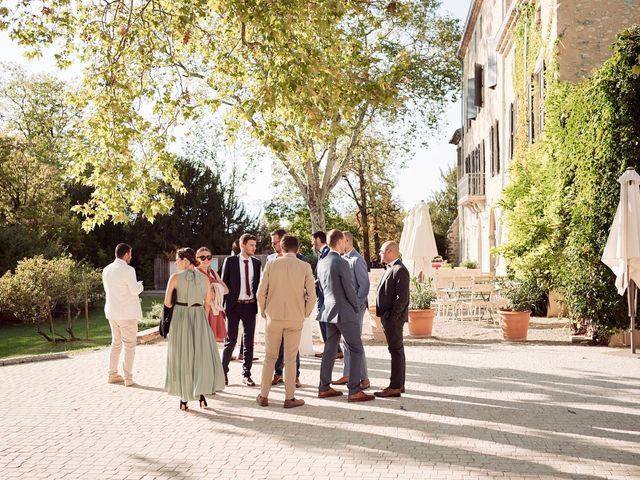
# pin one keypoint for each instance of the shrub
(521, 295)
(152, 317)
(421, 295)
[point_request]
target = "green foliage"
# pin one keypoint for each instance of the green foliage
(39, 285)
(521, 294)
(307, 77)
(151, 317)
(564, 191)
(421, 294)
(469, 264)
(443, 207)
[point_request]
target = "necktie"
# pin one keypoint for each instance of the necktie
(246, 278)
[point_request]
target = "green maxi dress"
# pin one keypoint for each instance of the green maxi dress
(194, 367)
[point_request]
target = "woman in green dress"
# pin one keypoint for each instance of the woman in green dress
(194, 368)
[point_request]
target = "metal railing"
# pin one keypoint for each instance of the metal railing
(471, 185)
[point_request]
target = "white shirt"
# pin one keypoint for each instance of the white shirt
(243, 285)
(122, 290)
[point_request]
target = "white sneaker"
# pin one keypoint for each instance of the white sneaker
(115, 379)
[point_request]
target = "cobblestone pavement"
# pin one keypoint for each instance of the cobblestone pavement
(475, 408)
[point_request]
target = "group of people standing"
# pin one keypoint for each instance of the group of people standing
(209, 307)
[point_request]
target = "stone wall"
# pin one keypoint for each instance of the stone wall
(586, 30)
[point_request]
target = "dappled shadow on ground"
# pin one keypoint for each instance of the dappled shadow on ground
(511, 411)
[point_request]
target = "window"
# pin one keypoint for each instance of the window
(512, 129)
(494, 138)
(492, 63)
(479, 83)
(471, 99)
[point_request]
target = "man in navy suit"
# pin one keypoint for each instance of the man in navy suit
(241, 274)
(340, 314)
(360, 277)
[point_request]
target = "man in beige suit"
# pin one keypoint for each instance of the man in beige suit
(286, 296)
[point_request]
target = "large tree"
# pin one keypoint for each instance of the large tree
(308, 77)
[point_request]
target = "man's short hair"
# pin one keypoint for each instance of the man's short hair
(320, 235)
(245, 237)
(289, 243)
(334, 237)
(280, 232)
(122, 249)
(348, 235)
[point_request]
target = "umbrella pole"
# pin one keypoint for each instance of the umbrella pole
(631, 300)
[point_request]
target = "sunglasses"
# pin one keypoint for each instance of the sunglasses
(202, 258)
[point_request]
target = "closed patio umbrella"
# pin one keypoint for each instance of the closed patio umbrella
(622, 252)
(417, 243)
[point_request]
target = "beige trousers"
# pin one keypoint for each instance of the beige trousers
(123, 332)
(274, 331)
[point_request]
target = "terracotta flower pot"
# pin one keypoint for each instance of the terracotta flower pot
(421, 323)
(376, 325)
(515, 325)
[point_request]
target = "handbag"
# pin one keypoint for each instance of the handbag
(165, 318)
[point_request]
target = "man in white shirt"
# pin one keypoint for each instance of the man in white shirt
(123, 310)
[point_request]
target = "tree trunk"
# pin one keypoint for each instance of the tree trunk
(53, 334)
(316, 210)
(364, 218)
(376, 236)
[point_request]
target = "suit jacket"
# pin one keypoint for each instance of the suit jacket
(392, 299)
(325, 251)
(121, 291)
(231, 276)
(287, 290)
(360, 276)
(340, 301)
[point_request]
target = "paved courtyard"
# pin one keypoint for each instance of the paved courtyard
(473, 409)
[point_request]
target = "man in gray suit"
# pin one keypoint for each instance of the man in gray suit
(360, 277)
(340, 314)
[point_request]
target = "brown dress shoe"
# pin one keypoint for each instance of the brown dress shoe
(361, 397)
(226, 379)
(318, 355)
(241, 356)
(293, 403)
(298, 382)
(388, 392)
(341, 381)
(276, 379)
(364, 384)
(329, 393)
(402, 389)
(248, 382)
(262, 401)
(339, 355)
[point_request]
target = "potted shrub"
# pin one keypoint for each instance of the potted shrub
(520, 296)
(421, 315)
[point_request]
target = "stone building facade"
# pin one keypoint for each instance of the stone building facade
(577, 35)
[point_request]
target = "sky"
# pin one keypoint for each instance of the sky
(417, 181)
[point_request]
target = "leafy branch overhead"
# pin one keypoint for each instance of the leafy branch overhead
(308, 78)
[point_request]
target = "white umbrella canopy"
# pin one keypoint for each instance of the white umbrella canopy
(622, 252)
(417, 243)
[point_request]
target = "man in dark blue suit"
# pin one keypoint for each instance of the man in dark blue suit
(241, 274)
(340, 314)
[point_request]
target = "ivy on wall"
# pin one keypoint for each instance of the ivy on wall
(563, 191)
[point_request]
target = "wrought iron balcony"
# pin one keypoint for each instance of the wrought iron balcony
(471, 191)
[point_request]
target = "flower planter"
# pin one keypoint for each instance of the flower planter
(376, 325)
(515, 325)
(421, 323)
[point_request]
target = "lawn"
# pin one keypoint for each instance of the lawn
(18, 340)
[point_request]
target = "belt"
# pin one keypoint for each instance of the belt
(243, 302)
(187, 305)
